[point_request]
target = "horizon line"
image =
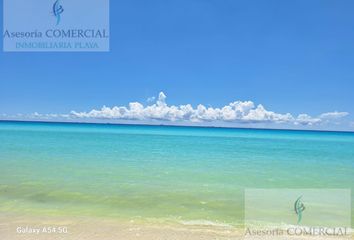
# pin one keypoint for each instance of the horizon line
(172, 125)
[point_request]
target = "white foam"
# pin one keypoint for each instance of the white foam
(204, 223)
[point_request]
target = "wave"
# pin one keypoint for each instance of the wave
(205, 223)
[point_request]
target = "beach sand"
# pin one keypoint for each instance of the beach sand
(110, 229)
(99, 229)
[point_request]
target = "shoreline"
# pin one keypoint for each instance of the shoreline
(15, 227)
(26, 227)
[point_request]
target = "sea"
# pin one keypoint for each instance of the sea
(164, 174)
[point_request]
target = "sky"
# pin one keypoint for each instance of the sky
(277, 64)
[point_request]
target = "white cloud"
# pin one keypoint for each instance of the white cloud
(333, 115)
(305, 119)
(234, 112)
(238, 111)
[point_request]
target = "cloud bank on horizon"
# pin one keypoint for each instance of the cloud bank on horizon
(159, 110)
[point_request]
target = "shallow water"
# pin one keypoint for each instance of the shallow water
(160, 173)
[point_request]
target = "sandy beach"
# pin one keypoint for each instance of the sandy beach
(14, 227)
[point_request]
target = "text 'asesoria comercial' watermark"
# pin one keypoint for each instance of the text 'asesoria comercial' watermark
(297, 214)
(56, 25)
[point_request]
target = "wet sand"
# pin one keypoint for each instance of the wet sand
(38, 228)
(15, 227)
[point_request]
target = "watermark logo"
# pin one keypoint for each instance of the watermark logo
(273, 213)
(57, 11)
(299, 207)
(56, 27)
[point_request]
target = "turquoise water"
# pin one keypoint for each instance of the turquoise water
(159, 173)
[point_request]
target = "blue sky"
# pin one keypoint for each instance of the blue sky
(290, 56)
